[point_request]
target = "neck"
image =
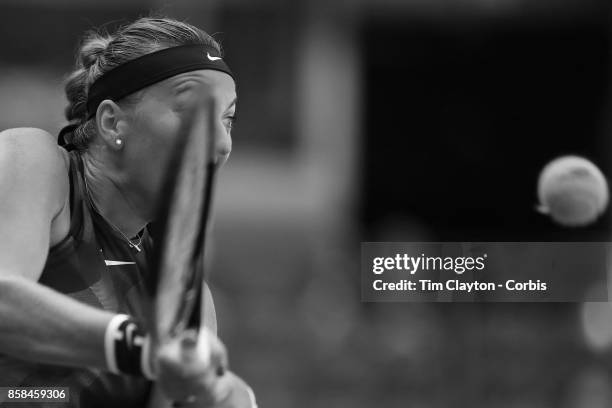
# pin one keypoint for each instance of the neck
(113, 196)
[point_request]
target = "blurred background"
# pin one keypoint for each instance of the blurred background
(377, 120)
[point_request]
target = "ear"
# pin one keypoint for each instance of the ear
(110, 120)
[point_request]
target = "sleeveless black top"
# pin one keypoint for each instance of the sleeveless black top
(96, 266)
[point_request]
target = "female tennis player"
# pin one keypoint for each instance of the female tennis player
(75, 236)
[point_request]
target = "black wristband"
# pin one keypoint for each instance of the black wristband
(127, 347)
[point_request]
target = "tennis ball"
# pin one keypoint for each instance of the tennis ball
(573, 191)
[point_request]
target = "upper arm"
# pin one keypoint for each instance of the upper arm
(33, 189)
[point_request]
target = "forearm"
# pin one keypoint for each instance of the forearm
(42, 325)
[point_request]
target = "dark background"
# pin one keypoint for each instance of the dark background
(379, 120)
(463, 115)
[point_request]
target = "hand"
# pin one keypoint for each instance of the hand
(193, 367)
(240, 395)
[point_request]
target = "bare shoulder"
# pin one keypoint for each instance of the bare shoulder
(32, 157)
(25, 146)
(30, 140)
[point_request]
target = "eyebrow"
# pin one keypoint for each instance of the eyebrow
(232, 103)
(180, 81)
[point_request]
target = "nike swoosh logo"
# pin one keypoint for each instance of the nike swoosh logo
(212, 58)
(116, 263)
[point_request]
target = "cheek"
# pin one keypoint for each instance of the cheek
(160, 131)
(156, 137)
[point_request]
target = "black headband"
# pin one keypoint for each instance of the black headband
(151, 68)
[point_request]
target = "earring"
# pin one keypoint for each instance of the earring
(118, 142)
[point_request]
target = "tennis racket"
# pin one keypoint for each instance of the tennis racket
(178, 266)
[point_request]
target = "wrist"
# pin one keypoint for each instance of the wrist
(127, 348)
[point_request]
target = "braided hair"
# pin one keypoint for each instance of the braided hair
(100, 53)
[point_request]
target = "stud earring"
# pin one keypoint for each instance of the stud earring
(118, 142)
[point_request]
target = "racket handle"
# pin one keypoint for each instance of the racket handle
(196, 344)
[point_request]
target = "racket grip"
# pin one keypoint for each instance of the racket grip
(196, 344)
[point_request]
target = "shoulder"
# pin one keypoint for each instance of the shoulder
(31, 159)
(32, 142)
(25, 146)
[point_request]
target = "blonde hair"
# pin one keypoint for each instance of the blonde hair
(100, 53)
